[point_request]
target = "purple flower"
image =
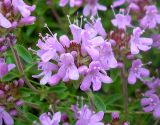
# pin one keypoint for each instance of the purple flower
(153, 84)
(151, 103)
(76, 32)
(88, 117)
(115, 116)
(139, 43)
(92, 46)
(68, 70)
(95, 27)
(95, 75)
(47, 69)
(5, 116)
(5, 68)
(92, 7)
(156, 40)
(152, 17)
(72, 3)
(27, 20)
(106, 56)
(121, 20)
(118, 3)
(50, 49)
(137, 72)
(46, 119)
(4, 22)
(23, 8)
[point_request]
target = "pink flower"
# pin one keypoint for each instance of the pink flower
(152, 17)
(95, 28)
(137, 72)
(139, 43)
(5, 116)
(106, 56)
(121, 20)
(118, 3)
(68, 70)
(5, 68)
(50, 49)
(46, 119)
(22, 7)
(47, 69)
(92, 8)
(4, 22)
(94, 75)
(72, 3)
(88, 117)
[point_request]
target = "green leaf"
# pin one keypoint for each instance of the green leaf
(24, 54)
(9, 77)
(98, 102)
(58, 88)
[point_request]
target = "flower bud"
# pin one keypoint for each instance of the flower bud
(27, 20)
(7, 3)
(1, 93)
(20, 82)
(19, 102)
(13, 112)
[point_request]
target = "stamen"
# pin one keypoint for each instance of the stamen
(40, 35)
(32, 50)
(68, 16)
(122, 11)
(113, 10)
(81, 21)
(128, 11)
(149, 63)
(45, 25)
(85, 19)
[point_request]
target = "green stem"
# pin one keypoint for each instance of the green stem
(20, 66)
(125, 91)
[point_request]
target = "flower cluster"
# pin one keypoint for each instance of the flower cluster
(91, 6)
(13, 13)
(9, 99)
(87, 55)
(151, 101)
(10, 9)
(83, 116)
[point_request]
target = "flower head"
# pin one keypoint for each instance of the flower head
(151, 103)
(67, 71)
(46, 119)
(47, 69)
(137, 72)
(23, 8)
(106, 56)
(88, 117)
(5, 68)
(139, 43)
(121, 20)
(49, 48)
(72, 3)
(95, 75)
(92, 7)
(152, 17)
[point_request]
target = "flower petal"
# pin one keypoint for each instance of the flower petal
(4, 22)
(86, 83)
(7, 118)
(73, 72)
(131, 78)
(97, 117)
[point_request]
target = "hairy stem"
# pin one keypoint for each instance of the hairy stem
(20, 66)
(125, 91)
